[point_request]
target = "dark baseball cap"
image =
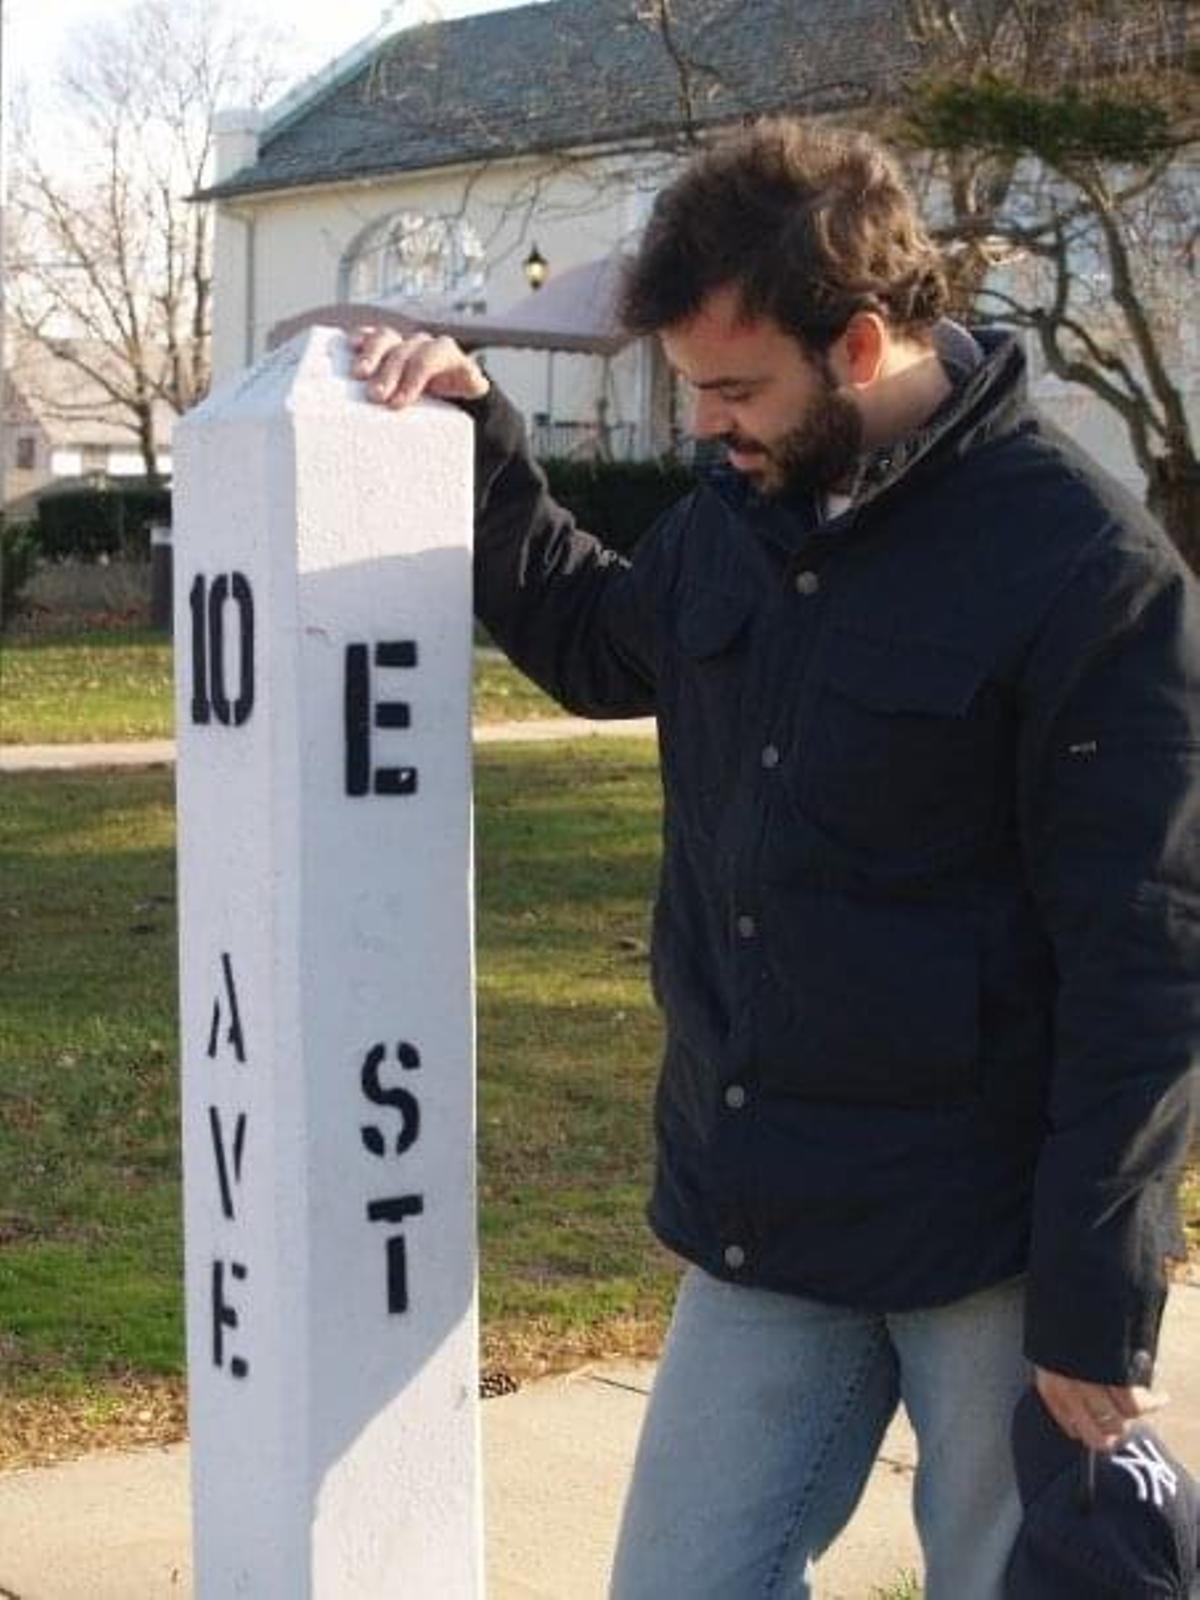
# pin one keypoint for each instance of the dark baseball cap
(1119, 1526)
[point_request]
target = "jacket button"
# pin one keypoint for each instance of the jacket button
(735, 1097)
(747, 927)
(735, 1256)
(770, 756)
(807, 583)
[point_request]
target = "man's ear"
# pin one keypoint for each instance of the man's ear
(862, 348)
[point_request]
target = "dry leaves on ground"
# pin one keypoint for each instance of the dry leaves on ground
(123, 1415)
(138, 1415)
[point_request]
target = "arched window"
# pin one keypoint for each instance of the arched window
(407, 256)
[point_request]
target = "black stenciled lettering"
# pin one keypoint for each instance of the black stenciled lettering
(397, 1275)
(396, 1211)
(396, 780)
(217, 597)
(233, 1035)
(224, 1316)
(210, 691)
(243, 598)
(357, 704)
(400, 653)
(400, 1100)
(201, 705)
(360, 713)
(229, 1172)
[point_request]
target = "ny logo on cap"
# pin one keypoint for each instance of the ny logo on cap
(1145, 1465)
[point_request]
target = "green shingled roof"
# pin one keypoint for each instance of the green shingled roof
(577, 73)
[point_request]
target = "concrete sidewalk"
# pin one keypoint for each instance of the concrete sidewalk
(557, 1456)
(161, 752)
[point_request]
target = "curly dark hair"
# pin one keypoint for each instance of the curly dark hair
(810, 224)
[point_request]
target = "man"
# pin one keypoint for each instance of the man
(928, 933)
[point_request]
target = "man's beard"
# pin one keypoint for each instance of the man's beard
(819, 453)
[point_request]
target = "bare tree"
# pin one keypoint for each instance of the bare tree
(112, 266)
(1065, 139)
(1054, 145)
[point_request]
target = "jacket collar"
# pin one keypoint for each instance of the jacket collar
(988, 400)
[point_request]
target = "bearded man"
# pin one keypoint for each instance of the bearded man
(927, 939)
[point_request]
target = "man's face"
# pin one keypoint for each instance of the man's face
(779, 410)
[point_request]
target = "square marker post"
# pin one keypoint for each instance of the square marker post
(323, 639)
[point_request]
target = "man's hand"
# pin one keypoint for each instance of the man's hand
(1097, 1414)
(399, 370)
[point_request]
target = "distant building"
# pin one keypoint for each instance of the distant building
(27, 445)
(424, 166)
(59, 423)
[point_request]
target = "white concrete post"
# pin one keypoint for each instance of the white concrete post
(323, 664)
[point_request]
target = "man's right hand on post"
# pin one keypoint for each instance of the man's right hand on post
(399, 370)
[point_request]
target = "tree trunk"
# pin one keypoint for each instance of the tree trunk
(1174, 498)
(147, 444)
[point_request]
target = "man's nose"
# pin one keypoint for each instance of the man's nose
(710, 417)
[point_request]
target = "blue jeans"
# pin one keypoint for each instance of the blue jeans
(765, 1419)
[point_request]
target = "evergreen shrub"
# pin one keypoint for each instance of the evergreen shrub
(91, 524)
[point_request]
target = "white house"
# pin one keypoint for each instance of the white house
(61, 423)
(428, 168)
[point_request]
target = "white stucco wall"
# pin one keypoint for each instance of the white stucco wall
(298, 241)
(129, 463)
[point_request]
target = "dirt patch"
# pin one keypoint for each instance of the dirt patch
(122, 1415)
(140, 1414)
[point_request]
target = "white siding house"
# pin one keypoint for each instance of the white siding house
(421, 169)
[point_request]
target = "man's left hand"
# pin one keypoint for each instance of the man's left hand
(1097, 1414)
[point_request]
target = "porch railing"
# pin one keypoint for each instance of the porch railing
(584, 441)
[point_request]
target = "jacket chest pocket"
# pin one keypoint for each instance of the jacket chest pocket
(700, 737)
(903, 750)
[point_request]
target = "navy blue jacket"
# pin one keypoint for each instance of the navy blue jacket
(927, 938)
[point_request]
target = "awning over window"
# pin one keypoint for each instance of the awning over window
(576, 310)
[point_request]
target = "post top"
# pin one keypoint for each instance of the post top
(309, 374)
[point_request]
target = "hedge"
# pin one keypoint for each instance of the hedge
(90, 523)
(18, 557)
(615, 500)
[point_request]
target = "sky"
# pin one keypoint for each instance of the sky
(36, 30)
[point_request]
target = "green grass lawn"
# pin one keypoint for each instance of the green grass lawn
(85, 687)
(90, 1248)
(91, 687)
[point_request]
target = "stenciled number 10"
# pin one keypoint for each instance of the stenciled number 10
(211, 696)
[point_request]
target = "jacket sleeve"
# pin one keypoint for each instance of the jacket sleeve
(1110, 797)
(573, 615)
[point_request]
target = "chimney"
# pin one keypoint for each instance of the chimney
(236, 134)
